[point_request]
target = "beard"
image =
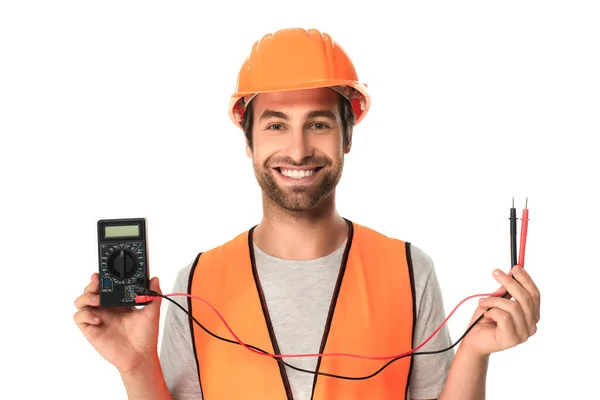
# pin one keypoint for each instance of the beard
(301, 197)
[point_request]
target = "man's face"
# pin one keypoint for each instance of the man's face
(298, 153)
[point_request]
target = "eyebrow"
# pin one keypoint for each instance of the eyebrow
(320, 113)
(273, 114)
(312, 114)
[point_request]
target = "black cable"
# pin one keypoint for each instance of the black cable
(513, 235)
(278, 359)
(513, 254)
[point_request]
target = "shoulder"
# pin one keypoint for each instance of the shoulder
(183, 277)
(223, 251)
(367, 233)
(422, 264)
(428, 295)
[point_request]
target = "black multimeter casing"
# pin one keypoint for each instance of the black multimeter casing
(122, 260)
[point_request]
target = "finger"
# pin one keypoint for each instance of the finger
(87, 300)
(505, 324)
(85, 317)
(510, 284)
(519, 293)
(94, 285)
(154, 307)
(152, 310)
(155, 285)
(523, 277)
(514, 310)
(479, 311)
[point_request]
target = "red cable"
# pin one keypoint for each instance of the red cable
(521, 262)
(524, 223)
(148, 297)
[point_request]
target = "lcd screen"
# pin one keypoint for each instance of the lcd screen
(122, 231)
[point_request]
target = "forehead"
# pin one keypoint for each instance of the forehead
(301, 100)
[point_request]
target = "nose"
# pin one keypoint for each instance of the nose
(299, 145)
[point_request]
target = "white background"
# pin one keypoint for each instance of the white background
(118, 109)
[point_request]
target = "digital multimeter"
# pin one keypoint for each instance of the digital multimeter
(123, 260)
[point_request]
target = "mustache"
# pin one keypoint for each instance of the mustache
(324, 161)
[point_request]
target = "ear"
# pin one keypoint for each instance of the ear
(248, 149)
(349, 146)
(347, 149)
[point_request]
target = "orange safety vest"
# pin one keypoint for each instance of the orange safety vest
(372, 313)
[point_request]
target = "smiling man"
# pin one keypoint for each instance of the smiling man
(305, 284)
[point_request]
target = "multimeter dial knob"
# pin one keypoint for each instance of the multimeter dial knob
(121, 263)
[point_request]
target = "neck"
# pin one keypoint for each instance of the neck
(300, 235)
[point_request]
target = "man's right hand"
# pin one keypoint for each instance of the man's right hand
(125, 336)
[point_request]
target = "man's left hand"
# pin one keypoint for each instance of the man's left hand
(508, 323)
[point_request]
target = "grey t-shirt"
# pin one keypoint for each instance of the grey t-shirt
(298, 295)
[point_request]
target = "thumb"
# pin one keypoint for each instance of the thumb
(154, 306)
(155, 285)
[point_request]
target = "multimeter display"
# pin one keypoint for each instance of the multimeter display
(122, 231)
(123, 260)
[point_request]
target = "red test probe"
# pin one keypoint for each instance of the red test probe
(524, 223)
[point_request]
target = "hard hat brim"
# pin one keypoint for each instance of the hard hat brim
(361, 106)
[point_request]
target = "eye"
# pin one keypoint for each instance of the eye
(320, 126)
(275, 127)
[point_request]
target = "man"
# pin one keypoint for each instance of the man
(305, 280)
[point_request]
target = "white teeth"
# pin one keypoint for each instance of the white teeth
(296, 174)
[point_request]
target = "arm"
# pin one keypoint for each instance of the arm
(127, 338)
(429, 372)
(467, 377)
(506, 324)
(146, 382)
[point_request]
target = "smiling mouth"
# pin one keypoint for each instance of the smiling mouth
(297, 173)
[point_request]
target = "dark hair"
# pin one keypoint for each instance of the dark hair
(346, 112)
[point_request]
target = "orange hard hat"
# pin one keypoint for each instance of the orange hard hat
(294, 59)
